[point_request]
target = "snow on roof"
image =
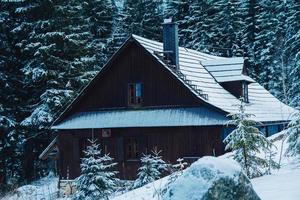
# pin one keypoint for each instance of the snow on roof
(166, 117)
(263, 105)
(227, 69)
(241, 77)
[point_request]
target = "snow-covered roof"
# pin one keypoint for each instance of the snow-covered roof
(155, 117)
(241, 77)
(262, 104)
(226, 69)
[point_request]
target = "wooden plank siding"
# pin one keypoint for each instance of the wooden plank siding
(234, 87)
(175, 142)
(133, 64)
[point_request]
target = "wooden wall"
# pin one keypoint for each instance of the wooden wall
(175, 142)
(134, 64)
(234, 87)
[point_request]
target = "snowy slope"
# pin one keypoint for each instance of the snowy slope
(282, 184)
(45, 189)
(147, 192)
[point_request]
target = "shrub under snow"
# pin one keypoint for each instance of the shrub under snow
(152, 167)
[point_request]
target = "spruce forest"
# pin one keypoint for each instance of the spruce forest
(50, 50)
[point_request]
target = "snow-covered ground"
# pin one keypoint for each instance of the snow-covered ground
(44, 189)
(148, 192)
(282, 184)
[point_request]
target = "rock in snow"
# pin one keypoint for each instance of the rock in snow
(211, 178)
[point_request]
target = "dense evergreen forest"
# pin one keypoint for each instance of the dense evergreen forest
(50, 49)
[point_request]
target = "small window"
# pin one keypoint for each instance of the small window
(245, 92)
(132, 148)
(135, 94)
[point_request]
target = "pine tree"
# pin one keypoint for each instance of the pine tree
(60, 47)
(11, 139)
(280, 66)
(216, 27)
(226, 32)
(143, 17)
(293, 135)
(246, 142)
(119, 34)
(100, 20)
(177, 11)
(268, 38)
(292, 53)
(152, 167)
(10, 153)
(199, 24)
(57, 59)
(97, 179)
(275, 59)
(249, 8)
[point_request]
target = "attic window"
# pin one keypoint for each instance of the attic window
(134, 94)
(245, 92)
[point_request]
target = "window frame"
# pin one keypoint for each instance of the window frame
(132, 99)
(133, 154)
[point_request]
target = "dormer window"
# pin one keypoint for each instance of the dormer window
(245, 92)
(134, 94)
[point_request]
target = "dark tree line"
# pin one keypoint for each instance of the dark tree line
(50, 49)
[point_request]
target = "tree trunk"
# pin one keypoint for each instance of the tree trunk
(245, 162)
(29, 160)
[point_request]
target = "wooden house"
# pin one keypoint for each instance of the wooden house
(158, 95)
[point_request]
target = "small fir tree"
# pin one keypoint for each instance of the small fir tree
(179, 167)
(97, 179)
(176, 172)
(246, 142)
(152, 168)
(269, 156)
(293, 136)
